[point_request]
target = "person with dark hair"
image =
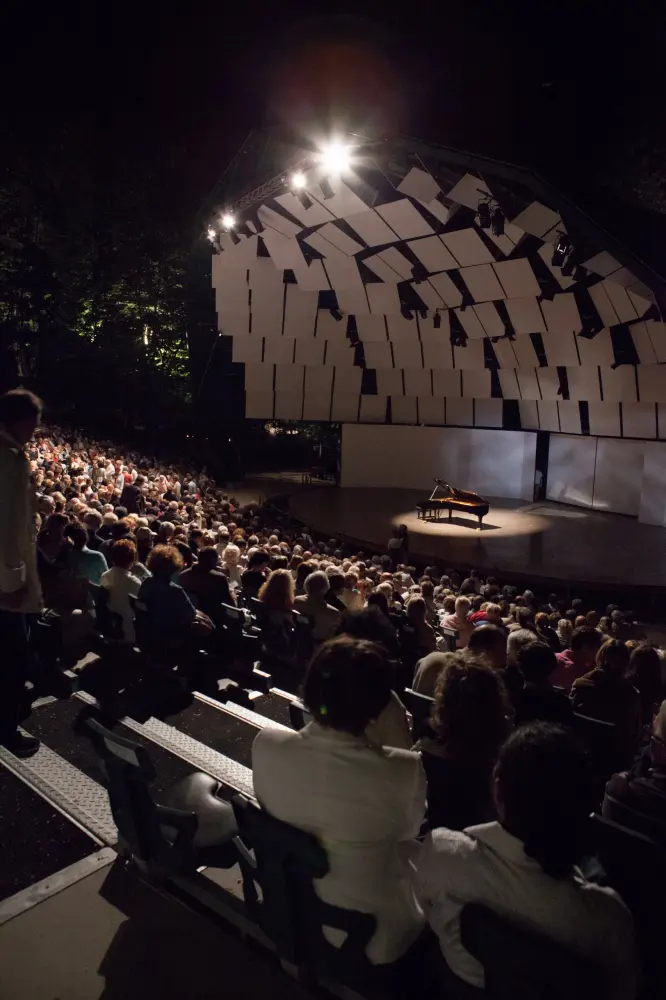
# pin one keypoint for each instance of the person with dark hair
(579, 658)
(336, 584)
(470, 720)
(645, 674)
(538, 699)
(489, 641)
(524, 867)
(254, 577)
(20, 591)
(364, 803)
(169, 612)
(606, 694)
(81, 560)
(207, 584)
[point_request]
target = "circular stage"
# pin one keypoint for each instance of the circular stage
(548, 541)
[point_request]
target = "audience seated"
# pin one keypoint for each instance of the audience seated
(205, 584)
(645, 675)
(469, 722)
(459, 621)
(82, 560)
(122, 584)
(169, 613)
(579, 658)
(324, 618)
(523, 866)
(538, 699)
(364, 803)
(637, 798)
(606, 694)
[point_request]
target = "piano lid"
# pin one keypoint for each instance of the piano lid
(444, 491)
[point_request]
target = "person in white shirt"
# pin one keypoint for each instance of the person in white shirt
(364, 802)
(122, 584)
(325, 619)
(524, 866)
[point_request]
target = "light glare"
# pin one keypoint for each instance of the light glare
(211, 234)
(298, 180)
(228, 220)
(335, 158)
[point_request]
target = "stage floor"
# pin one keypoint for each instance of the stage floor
(548, 540)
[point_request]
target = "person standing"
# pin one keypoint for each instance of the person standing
(20, 592)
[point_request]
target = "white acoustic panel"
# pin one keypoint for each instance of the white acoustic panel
(312, 277)
(596, 351)
(603, 304)
(344, 203)
(490, 319)
(378, 355)
(390, 382)
(310, 352)
(353, 301)
(549, 418)
(383, 271)
(237, 255)
(639, 420)
(525, 315)
(288, 378)
(471, 323)
(657, 334)
(317, 406)
(246, 350)
(488, 412)
(652, 383)
(467, 247)
(643, 343)
(271, 219)
(433, 254)
(383, 298)
(404, 219)
(347, 380)
(429, 332)
(446, 289)
(259, 405)
(517, 278)
(419, 184)
(437, 354)
(338, 352)
(460, 412)
(397, 261)
(560, 348)
(280, 350)
(402, 329)
(504, 353)
(418, 382)
(618, 385)
(371, 327)
(431, 410)
(562, 314)
(314, 215)
(268, 298)
(536, 219)
(482, 282)
(344, 407)
(285, 251)
(318, 379)
(330, 328)
(407, 353)
(447, 384)
(289, 405)
(652, 506)
(528, 383)
(469, 191)
(371, 228)
(259, 378)
(523, 348)
(403, 410)
(569, 413)
(620, 301)
(617, 476)
(508, 242)
(529, 415)
(602, 263)
(340, 239)
(584, 383)
(439, 211)
(509, 383)
(640, 302)
(428, 295)
(373, 409)
(300, 315)
(476, 384)
(571, 463)
(470, 357)
(604, 419)
(549, 383)
(343, 272)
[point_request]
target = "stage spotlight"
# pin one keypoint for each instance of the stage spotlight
(336, 314)
(335, 158)
(211, 234)
(484, 214)
(497, 222)
(228, 220)
(561, 249)
(437, 320)
(298, 180)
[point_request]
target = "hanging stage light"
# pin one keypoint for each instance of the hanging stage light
(484, 214)
(497, 222)
(561, 249)
(335, 158)
(437, 320)
(298, 182)
(228, 220)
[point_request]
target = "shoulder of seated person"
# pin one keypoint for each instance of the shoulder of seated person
(444, 843)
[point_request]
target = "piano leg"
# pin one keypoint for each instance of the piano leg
(450, 513)
(480, 517)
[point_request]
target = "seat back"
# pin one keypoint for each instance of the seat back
(599, 738)
(634, 817)
(420, 707)
(521, 965)
(159, 839)
(142, 631)
(298, 715)
(451, 637)
(279, 891)
(109, 624)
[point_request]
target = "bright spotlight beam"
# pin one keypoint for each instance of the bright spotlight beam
(228, 220)
(335, 158)
(298, 180)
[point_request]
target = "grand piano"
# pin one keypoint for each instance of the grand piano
(445, 497)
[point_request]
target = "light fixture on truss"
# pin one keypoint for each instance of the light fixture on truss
(298, 182)
(561, 249)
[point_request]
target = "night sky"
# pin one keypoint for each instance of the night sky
(573, 88)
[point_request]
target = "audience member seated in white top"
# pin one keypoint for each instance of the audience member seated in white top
(459, 621)
(231, 564)
(325, 619)
(365, 803)
(524, 866)
(122, 584)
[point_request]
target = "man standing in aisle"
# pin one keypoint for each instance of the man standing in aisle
(20, 593)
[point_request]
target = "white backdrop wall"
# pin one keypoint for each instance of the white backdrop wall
(625, 477)
(489, 462)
